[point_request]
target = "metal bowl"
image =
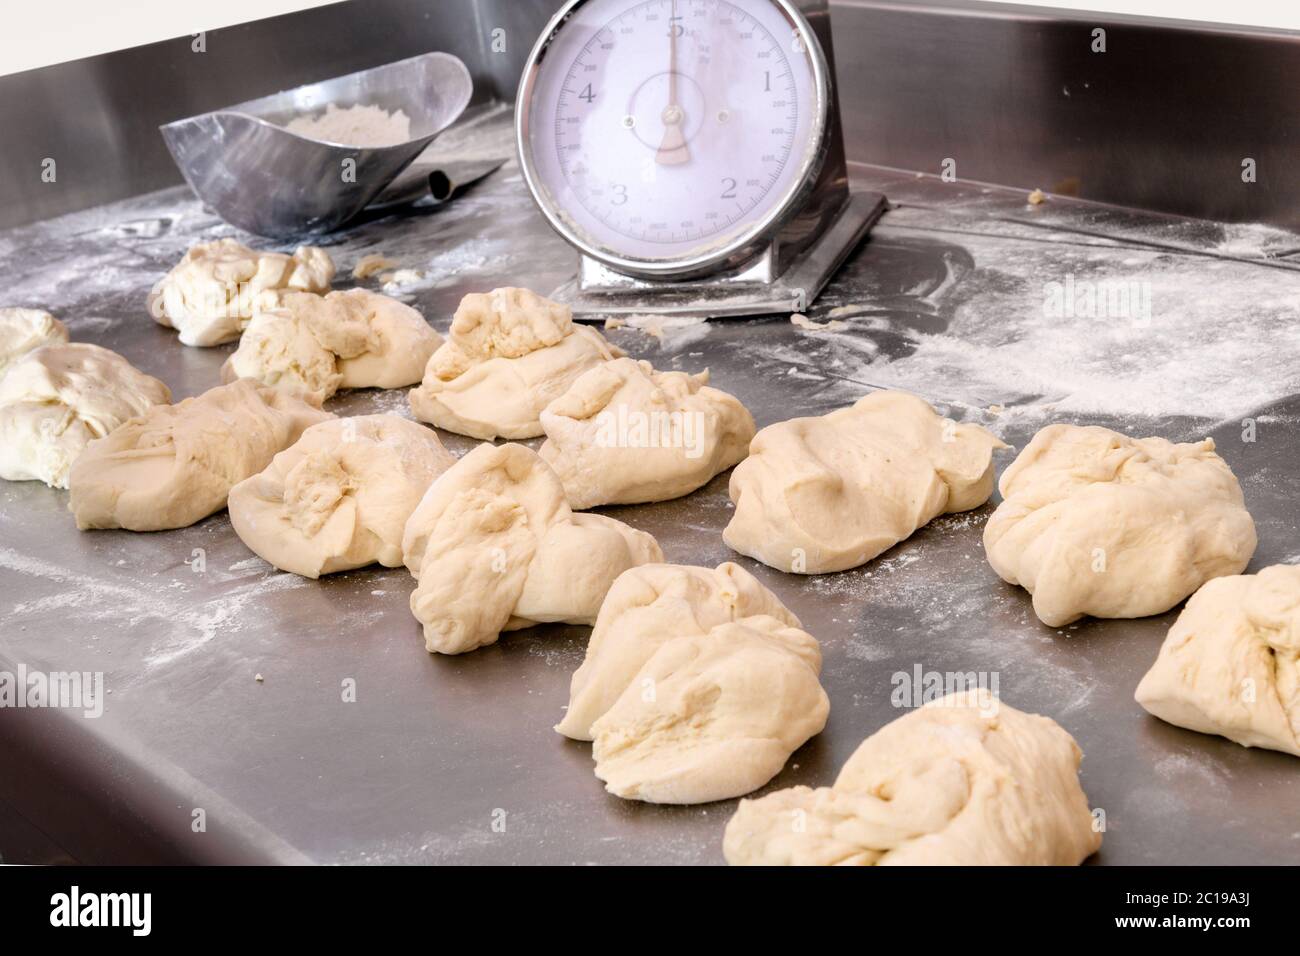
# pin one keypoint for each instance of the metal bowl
(258, 176)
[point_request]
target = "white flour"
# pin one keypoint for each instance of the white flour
(189, 624)
(1256, 240)
(1219, 343)
(354, 126)
(447, 267)
(675, 331)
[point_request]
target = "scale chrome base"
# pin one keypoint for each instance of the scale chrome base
(598, 291)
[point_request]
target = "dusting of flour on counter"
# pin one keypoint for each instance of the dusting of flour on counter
(1256, 240)
(354, 126)
(676, 330)
(402, 280)
(1199, 335)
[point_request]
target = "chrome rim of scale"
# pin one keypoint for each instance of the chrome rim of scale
(670, 138)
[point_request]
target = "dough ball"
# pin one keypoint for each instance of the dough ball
(278, 350)
(176, 464)
(963, 781)
(22, 330)
(398, 347)
(509, 354)
(58, 398)
(1094, 522)
(1231, 663)
(831, 493)
(319, 344)
(648, 606)
(624, 433)
(698, 684)
(212, 293)
(339, 497)
(712, 716)
(494, 547)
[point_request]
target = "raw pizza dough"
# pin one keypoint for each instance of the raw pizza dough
(22, 330)
(963, 781)
(58, 399)
(713, 716)
(317, 345)
(1094, 522)
(509, 354)
(831, 493)
(175, 464)
(339, 497)
(624, 433)
(495, 547)
(645, 608)
(1231, 663)
(212, 293)
(698, 685)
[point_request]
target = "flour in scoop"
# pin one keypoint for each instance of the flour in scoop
(354, 126)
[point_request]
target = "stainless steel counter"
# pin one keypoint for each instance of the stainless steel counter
(946, 298)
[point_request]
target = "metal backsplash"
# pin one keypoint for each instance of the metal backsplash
(1162, 120)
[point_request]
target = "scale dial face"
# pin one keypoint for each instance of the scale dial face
(665, 136)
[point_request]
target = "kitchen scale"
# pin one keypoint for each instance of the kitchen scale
(691, 151)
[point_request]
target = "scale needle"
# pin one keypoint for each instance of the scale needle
(672, 149)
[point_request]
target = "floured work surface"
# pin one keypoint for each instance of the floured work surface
(952, 297)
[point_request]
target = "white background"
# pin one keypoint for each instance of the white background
(1283, 14)
(41, 32)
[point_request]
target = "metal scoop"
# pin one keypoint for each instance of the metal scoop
(260, 177)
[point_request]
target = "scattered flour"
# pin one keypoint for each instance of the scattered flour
(1256, 240)
(674, 330)
(190, 623)
(250, 564)
(450, 265)
(1218, 341)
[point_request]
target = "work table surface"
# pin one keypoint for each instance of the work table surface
(951, 297)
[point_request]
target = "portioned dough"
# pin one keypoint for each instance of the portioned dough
(509, 354)
(339, 497)
(1094, 522)
(713, 716)
(830, 493)
(698, 685)
(22, 330)
(1231, 663)
(175, 464)
(495, 547)
(58, 398)
(624, 433)
(278, 350)
(647, 607)
(211, 294)
(965, 781)
(319, 344)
